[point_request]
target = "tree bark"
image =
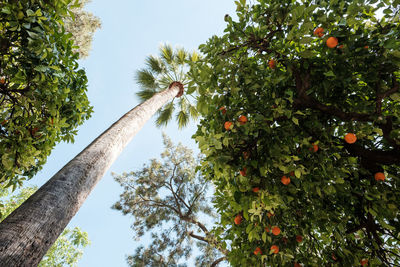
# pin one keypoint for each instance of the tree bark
(28, 232)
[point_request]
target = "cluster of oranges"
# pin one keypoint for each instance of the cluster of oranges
(331, 42)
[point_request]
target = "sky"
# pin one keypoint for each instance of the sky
(131, 30)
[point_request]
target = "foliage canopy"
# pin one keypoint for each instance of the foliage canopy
(288, 164)
(42, 91)
(168, 201)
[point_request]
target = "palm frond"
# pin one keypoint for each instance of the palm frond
(183, 119)
(165, 115)
(146, 79)
(165, 81)
(193, 112)
(181, 56)
(183, 103)
(167, 53)
(146, 94)
(155, 64)
(194, 57)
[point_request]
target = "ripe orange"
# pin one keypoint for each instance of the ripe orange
(319, 32)
(242, 120)
(314, 148)
(2, 80)
(275, 249)
(272, 64)
(243, 171)
(222, 109)
(256, 189)
(379, 176)
(364, 262)
(276, 230)
(228, 125)
(366, 47)
(238, 219)
(299, 238)
(296, 265)
(257, 251)
(350, 138)
(285, 180)
(332, 42)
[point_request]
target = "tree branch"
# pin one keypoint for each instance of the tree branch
(215, 263)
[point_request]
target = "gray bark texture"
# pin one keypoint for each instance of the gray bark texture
(28, 232)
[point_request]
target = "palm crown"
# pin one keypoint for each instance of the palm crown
(159, 73)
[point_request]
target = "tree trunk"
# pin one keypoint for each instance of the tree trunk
(28, 232)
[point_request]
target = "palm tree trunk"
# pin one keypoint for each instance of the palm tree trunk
(28, 232)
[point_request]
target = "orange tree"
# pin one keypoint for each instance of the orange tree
(42, 90)
(293, 79)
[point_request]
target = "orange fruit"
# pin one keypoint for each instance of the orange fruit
(238, 219)
(257, 251)
(366, 47)
(285, 180)
(256, 189)
(242, 120)
(222, 109)
(272, 64)
(276, 230)
(319, 32)
(299, 238)
(228, 125)
(341, 46)
(350, 138)
(379, 176)
(364, 262)
(314, 148)
(332, 42)
(243, 171)
(296, 265)
(274, 249)
(246, 154)
(2, 80)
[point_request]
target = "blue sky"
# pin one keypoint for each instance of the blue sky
(131, 30)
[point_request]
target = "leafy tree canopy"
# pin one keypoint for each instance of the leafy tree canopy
(301, 117)
(42, 91)
(168, 201)
(66, 251)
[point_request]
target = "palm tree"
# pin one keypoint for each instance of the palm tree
(160, 73)
(28, 232)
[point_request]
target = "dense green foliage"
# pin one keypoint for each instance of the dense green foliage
(66, 251)
(168, 202)
(42, 91)
(298, 108)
